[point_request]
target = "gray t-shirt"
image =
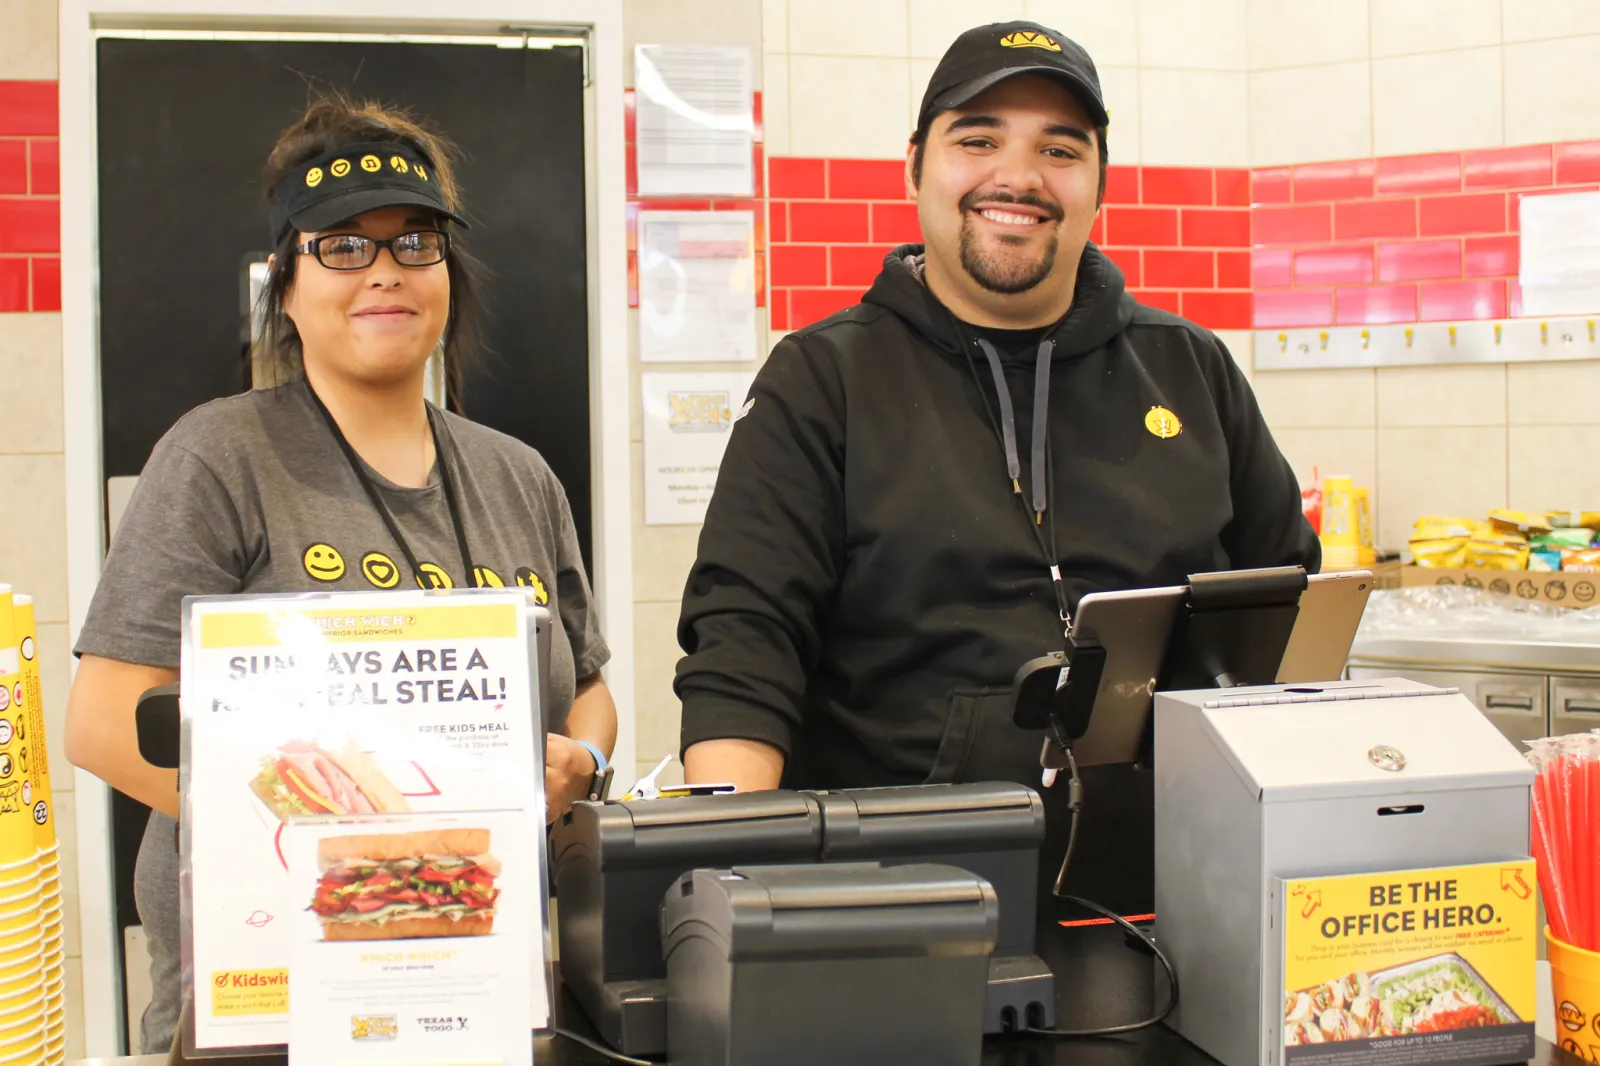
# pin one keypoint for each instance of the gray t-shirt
(253, 494)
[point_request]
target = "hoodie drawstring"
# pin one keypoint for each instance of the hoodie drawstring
(1041, 423)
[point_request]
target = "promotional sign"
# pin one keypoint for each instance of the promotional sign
(409, 937)
(1413, 966)
(688, 419)
(336, 704)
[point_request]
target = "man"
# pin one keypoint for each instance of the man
(876, 562)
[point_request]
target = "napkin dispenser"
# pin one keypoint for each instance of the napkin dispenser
(1259, 784)
(850, 964)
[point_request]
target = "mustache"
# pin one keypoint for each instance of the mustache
(971, 201)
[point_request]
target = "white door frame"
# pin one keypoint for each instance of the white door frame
(609, 379)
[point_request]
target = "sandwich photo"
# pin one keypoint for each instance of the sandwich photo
(302, 778)
(398, 886)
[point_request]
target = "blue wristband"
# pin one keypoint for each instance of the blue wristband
(600, 762)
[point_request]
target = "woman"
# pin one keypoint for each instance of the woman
(341, 477)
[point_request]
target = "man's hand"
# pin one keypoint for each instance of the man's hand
(749, 765)
(569, 769)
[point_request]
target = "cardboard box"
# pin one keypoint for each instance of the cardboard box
(1385, 575)
(1562, 589)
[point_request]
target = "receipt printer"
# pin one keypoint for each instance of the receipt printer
(1259, 786)
(991, 830)
(613, 864)
(848, 964)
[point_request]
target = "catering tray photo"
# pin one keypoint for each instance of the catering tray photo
(1434, 994)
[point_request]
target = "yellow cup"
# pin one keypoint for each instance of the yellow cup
(14, 920)
(24, 1031)
(1575, 980)
(20, 1053)
(12, 880)
(25, 940)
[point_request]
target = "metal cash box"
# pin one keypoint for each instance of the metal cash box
(1257, 784)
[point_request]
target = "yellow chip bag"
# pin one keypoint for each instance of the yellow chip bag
(1520, 521)
(1493, 555)
(1581, 560)
(1573, 519)
(1443, 527)
(1448, 552)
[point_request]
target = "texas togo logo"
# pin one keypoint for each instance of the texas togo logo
(530, 580)
(1162, 423)
(1029, 39)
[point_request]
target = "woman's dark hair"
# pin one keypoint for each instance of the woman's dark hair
(329, 123)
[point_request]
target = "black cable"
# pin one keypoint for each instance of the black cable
(600, 1049)
(1075, 805)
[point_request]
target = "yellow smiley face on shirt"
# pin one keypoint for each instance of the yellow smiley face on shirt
(324, 562)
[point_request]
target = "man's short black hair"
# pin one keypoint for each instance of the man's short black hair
(919, 141)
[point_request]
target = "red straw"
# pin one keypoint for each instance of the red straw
(1552, 879)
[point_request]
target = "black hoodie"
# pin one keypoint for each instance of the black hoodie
(868, 582)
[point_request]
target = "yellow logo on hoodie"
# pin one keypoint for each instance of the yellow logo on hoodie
(1163, 423)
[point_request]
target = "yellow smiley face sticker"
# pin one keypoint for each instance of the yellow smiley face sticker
(339, 167)
(1162, 423)
(324, 562)
(371, 163)
(530, 580)
(431, 576)
(313, 177)
(485, 578)
(379, 569)
(398, 163)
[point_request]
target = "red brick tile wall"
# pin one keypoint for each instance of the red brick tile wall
(1424, 238)
(30, 197)
(1180, 234)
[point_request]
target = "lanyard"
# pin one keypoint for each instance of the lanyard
(383, 511)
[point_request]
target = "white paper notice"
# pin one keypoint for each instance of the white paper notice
(388, 986)
(697, 297)
(687, 421)
(341, 704)
(693, 124)
(1560, 254)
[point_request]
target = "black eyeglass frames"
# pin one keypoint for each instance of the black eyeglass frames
(353, 251)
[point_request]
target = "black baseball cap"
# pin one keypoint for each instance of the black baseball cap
(353, 179)
(985, 56)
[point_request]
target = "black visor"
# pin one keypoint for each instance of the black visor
(356, 178)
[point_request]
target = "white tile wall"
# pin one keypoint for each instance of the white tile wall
(1442, 396)
(1408, 27)
(852, 107)
(1542, 473)
(1307, 114)
(1553, 394)
(1438, 102)
(1455, 471)
(1124, 137)
(31, 538)
(1550, 93)
(936, 23)
(1533, 20)
(858, 28)
(1318, 399)
(1108, 29)
(30, 366)
(1297, 33)
(1193, 117)
(1193, 34)
(28, 40)
(774, 25)
(775, 102)
(1320, 452)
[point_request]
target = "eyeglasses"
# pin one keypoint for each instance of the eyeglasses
(352, 251)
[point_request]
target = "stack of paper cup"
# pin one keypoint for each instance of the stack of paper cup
(40, 807)
(24, 974)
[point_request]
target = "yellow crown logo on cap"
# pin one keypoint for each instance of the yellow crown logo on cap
(1029, 39)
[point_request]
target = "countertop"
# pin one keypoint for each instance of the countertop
(1100, 981)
